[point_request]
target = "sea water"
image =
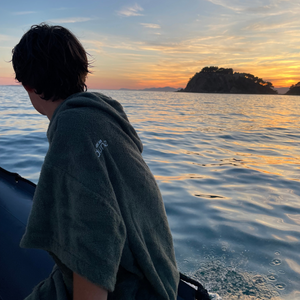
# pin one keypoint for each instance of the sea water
(228, 167)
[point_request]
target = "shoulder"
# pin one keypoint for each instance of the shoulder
(75, 122)
(85, 109)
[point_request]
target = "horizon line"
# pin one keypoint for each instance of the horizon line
(152, 87)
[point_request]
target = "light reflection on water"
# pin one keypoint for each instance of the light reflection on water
(228, 168)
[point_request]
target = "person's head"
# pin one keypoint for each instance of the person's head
(51, 61)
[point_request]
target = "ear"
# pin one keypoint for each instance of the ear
(28, 88)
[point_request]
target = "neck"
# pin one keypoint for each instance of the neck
(44, 107)
(52, 106)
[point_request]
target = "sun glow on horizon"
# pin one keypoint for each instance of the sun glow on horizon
(143, 45)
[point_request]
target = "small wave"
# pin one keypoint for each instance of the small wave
(231, 283)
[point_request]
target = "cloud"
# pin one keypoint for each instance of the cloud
(224, 4)
(19, 13)
(262, 7)
(70, 20)
(149, 25)
(131, 11)
(4, 37)
(282, 26)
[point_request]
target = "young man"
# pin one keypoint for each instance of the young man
(97, 208)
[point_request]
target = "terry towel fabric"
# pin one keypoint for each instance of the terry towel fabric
(97, 208)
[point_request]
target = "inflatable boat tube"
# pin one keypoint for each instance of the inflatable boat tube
(22, 269)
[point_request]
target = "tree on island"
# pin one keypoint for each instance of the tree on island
(217, 70)
(294, 89)
(223, 80)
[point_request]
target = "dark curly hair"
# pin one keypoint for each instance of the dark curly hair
(51, 60)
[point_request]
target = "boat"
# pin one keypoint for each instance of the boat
(22, 269)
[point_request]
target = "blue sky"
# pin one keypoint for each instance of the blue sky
(138, 44)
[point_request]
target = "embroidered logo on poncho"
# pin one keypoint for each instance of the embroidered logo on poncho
(100, 146)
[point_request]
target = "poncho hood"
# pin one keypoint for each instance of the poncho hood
(97, 101)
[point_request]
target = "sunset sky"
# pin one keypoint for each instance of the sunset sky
(150, 43)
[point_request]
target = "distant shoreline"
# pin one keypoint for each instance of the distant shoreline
(154, 89)
(281, 90)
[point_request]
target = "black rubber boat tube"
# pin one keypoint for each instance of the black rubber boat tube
(20, 269)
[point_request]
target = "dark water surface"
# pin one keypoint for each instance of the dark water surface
(229, 170)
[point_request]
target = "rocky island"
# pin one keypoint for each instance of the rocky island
(221, 80)
(294, 89)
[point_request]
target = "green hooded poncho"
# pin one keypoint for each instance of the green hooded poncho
(97, 208)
